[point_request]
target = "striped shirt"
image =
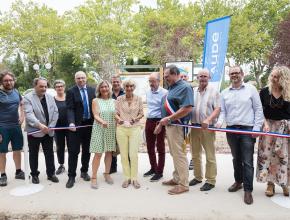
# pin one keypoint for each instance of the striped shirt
(205, 103)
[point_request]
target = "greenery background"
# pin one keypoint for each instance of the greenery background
(106, 34)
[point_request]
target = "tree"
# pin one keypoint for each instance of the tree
(101, 29)
(281, 52)
(252, 33)
(33, 30)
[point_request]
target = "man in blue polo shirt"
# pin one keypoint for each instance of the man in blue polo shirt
(177, 107)
(10, 125)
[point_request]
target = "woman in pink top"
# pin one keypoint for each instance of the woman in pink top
(129, 109)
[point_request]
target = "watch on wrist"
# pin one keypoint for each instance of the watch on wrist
(169, 121)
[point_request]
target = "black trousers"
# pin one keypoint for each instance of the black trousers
(61, 138)
(81, 136)
(47, 146)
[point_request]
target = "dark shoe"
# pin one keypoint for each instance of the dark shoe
(70, 183)
(60, 170)
(3, 181)
(248, 198)
(113, 170)
(85, 176)
(194, 182)
(156, 177)
(190, 167)
(20, 175)
(53, 179)
(149, 173)
(206, 187)
(35, 180)
(235, 187)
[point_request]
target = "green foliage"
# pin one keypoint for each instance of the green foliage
(105, 34)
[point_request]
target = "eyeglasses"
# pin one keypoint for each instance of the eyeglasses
(127, 86)
(81, 78)
(8, 80)
(60, 86)
(234, 73)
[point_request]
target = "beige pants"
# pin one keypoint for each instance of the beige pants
(129, 141)
(175, 140)
(203, 138)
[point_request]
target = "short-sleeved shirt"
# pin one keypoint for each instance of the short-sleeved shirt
(180, 94)
(9, 104)
(205, 103)
(154, 99)
(274, 108)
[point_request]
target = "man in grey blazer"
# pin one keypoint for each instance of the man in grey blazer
(41, 113)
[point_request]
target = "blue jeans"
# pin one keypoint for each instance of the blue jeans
(242, 148)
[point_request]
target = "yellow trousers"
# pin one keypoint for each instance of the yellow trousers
(129, 140)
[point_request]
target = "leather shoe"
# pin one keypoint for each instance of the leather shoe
(235, 187)
(85, 176)
(35, 180)
(194, 182)
(248, 198)
(169, 183)
(53, 179)
(206, 187)
(70, 183)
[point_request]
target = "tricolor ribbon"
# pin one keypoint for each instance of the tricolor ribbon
(59, 128)
(236, 131)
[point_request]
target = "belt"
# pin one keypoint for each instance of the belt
(153, 119)
(240, 127)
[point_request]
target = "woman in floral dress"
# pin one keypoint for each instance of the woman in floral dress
(273, 160)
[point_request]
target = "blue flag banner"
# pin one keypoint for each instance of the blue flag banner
(215, 48)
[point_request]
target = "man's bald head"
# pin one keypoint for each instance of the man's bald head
(154, 81)
(154, 76)
(80, 78)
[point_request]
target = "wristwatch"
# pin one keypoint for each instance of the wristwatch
(169, 121)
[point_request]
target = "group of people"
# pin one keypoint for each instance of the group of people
(106, 120)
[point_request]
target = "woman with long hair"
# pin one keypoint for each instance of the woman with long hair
(273, 160)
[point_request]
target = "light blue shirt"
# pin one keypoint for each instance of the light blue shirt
(86, 93)
(154, 102)
(241, 106)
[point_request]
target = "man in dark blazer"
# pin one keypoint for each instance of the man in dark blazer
(79, 103)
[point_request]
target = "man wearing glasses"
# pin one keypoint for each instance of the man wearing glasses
(241, 109)
(10, 124)
(79, 104)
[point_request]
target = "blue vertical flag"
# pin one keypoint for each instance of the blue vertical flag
(215, 48)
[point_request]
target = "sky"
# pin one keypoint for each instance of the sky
(64, 5)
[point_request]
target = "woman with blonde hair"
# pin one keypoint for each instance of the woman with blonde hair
(273, 160)
(129, 108)
(103, 139)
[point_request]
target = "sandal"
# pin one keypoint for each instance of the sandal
(94, 184)
(136, 184)
(126, 183)
(108, 178)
